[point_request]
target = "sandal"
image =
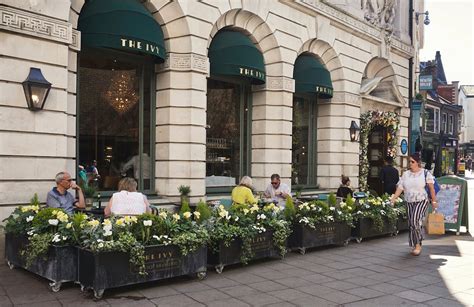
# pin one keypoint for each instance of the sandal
(416, 251)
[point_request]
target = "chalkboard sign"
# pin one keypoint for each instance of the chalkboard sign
(451, 198)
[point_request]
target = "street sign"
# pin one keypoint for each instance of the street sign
(404, 146)
(426, 82)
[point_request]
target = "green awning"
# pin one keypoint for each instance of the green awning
(233, 54)
(311, 77)
(121, 24)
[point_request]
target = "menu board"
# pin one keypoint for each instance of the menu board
(451, 199)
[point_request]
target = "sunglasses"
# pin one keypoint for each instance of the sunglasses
(412, 161)
(69, 180)
(275, 183)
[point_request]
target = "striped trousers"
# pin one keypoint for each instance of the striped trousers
(416, 213)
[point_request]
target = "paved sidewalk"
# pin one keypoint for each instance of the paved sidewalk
(377, 272)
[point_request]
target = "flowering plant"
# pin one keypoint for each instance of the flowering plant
(318, 212)
(19, 222)
(244, 222)
(375, 208)
(368, 121)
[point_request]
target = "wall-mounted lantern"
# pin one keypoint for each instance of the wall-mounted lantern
(36, 89)
(354, 131)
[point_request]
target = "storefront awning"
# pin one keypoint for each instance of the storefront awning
(233, 54)
(121, 24)
(312, 77)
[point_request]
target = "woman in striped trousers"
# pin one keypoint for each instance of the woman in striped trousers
(412, 184)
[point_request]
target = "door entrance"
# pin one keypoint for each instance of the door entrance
(376, 151)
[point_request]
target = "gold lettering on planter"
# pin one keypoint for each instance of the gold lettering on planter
(135, 44)
(251, 73)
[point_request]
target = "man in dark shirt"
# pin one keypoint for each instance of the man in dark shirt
(389, 176)
(59, 197)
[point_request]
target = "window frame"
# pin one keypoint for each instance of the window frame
(444, 122)
(144, 62)
(312, 172)
(451, 123)
(245, 167)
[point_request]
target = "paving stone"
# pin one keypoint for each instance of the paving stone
(238, 291)
(261, 299)
(339, 297)
(288, 294)
(281, 304)
(443, 302)
(272, 275)
(228, 303)
(427, 279)
(296, 272)
(176, 301)
(365, 292)
(387, 300)
(340, 285)
(313, 301)
(293, 282)
(387, 288)
(416, 296)
(219, 282)
(81, 301)
(339, 275)
(362, 281)
(465, 298)
(188, 287)
(246, 278)
(208, 296)
(435, 291)
(161, 291)
(340, 265)
(267, 286)
(20, 296)
(318, 278)
(315, 289)
(5, 301)
(408, 283)
(129, 302)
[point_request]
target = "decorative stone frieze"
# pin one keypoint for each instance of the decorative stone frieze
(186, 62)
(76, 40)
(277, 84)
(27, 23)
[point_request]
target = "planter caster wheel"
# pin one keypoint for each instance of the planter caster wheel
(83, 289)
(345, 243)
(55, 286)
(202, 275)
(302, 250)
(358, 240)
(98, 294)
(219, 268)
(10, 265)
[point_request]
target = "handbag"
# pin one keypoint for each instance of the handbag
(435, 185)
(435, 224)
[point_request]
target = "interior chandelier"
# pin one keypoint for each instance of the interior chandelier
(121, 94)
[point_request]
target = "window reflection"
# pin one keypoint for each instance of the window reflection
(300, 147)
(114, 116)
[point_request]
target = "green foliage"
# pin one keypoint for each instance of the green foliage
(376, 209)
(34, 201)
(89, 191)
(185, 207)
(19, 222)
(290, 210)
(184, 190)
(332, 200)
(205, 212)
(38, 247)
(350, 200)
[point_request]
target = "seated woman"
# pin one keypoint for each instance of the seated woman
(242, 194)
(128, 201)
(344, 189)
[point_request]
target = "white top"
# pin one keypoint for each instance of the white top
(128, 203)
(413, 185)
(275, 194)
(135, 163)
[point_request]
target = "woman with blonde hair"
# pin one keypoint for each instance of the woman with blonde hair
(127, 201)
(242, 194)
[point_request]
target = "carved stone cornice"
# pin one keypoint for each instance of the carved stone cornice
(186, 62)
(277, 84)
(354, 23)
(31, 24)
(76, 40)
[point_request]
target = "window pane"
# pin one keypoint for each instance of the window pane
(300, 142)
(109, 118)
(224, 132)
(429, 125)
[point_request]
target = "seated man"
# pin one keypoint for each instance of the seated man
(277, 191)
(59, 197)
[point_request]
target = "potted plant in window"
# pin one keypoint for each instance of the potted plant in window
(246, 232)
(89, 194)
(42, 241)
(373, 217)
(319, 223)
(134, 249)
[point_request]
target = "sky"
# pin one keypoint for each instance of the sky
(451, 31)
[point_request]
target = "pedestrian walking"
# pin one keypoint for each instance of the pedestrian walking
(469, 163)
(412, 184)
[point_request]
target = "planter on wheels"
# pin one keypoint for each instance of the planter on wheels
(365, 228)
(59, 265)
(262, 247)
(304, 237)
(104, 270)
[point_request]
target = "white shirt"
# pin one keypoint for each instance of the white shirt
(128, 203)
(413, 185)
(135, 163)
(275, 194)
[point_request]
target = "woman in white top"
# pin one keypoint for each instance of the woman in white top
(412, 184)
(128, 201)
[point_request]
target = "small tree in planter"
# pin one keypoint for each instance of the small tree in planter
(89, 194)
(184, 191)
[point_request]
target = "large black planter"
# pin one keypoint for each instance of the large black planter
(262, 247)
(304, 237)
(59, 265)
(402, 224)
(365, 228)
(100, 271)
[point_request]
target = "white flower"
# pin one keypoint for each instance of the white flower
(236, 218)
(100, 245)
(187, 214)
(197, 214)
(163, 214)
(176, 216)
(261, 216)
(29, 219)
(53, 222)
(330, 218)
(332, 208)
(147, 223)
(107, 233)
(382, 212)
(246, 211)
(64, 238)
(56, 238)
(68, 225)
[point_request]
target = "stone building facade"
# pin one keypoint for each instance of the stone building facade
(366, 46)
